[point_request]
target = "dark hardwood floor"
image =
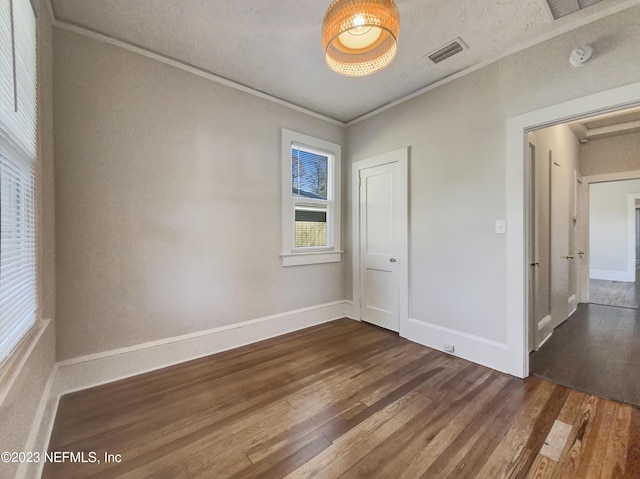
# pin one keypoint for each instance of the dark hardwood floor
(345, 400)
(595, 350)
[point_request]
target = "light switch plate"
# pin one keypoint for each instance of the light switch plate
(501, 227)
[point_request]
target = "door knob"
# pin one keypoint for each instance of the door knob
(534, 265)
(569, 257)
(392, 260)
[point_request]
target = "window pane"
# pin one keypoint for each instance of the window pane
(309, 174)
(311, 227)
(18, 287)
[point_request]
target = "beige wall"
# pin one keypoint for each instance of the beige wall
(457, 167)
(611, 155)
(608, 229)
(24, 377)
(168, 202)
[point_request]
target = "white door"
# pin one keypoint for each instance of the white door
(534, 254)
(380, 245)
(539, 245)
(561, 251)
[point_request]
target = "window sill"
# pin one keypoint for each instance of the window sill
(299, 259)
(11, 368)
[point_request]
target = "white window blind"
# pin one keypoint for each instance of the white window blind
(6, 63)
(18, 297)
(18, 73)
(18, 100)
(311, 192)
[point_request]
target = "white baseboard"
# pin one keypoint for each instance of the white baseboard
(101, 368)
(545, 339)
(479, 350)
(573, 304)
(610, 275)
(348, 310)
(543, 322)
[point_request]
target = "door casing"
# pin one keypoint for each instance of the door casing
(515, 359)
(585, 205)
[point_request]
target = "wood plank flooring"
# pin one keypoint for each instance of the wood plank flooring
(595, 350)
(341, 400)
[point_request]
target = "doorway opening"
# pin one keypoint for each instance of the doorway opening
(584, 190)
(614, 240)
(514, 356)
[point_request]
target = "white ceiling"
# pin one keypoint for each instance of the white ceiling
(274, 46)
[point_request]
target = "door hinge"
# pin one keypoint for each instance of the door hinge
(359, 181)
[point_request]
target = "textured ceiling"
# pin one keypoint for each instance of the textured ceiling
(274, 46)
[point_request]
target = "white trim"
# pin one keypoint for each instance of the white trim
(348, 310)
(516, 143)
(298, 259)
(41, 429)
(12, 367)
(545, 339)
(611, 275)
(631, 236)
(573, 304)
(95, 369)
(47, 424)
(401, 156)
(290, 255)
(42, 420)
(543, 322)
(492, 354)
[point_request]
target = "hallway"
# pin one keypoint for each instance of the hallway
(596, 350)
(615, 293)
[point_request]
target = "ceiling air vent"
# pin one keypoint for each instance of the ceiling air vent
(562, 8)
(447, 51)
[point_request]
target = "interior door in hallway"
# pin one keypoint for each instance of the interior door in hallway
(379, 245)
(539, 246)
(561, 251)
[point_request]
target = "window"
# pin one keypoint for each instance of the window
(18, 285)
(18, 298)
(310, 175)
(310, 200)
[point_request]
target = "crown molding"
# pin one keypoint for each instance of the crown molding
(518, 47)
(174, 62)
(567, 27)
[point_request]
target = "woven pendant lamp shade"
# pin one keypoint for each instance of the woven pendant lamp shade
(360, 36)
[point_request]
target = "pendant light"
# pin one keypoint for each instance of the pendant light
(360, 36)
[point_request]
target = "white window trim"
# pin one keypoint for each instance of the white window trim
(290, 255)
